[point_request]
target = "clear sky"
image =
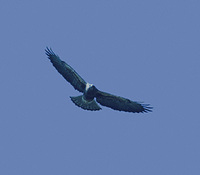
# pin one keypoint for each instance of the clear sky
(143, 50)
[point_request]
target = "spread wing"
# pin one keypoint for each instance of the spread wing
(120, 103)
(66, 71)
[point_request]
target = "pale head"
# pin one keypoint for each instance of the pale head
(88, 85)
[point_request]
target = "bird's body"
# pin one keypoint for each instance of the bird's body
(90, 92)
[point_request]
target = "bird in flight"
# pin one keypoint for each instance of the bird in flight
(90, 92)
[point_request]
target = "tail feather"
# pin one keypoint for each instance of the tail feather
(84, 104)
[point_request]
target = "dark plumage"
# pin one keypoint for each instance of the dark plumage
(90, 92)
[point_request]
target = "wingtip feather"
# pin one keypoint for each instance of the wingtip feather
(49, 52)
(147, 108)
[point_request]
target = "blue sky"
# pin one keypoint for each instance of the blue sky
(143, 50)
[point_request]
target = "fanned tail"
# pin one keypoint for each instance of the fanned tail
(84, 104)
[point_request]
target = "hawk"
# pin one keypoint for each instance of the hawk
(87, 100)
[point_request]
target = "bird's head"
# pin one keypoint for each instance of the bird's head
(90, 90)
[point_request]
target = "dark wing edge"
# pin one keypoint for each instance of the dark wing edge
(66, 71)
(121, 104)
